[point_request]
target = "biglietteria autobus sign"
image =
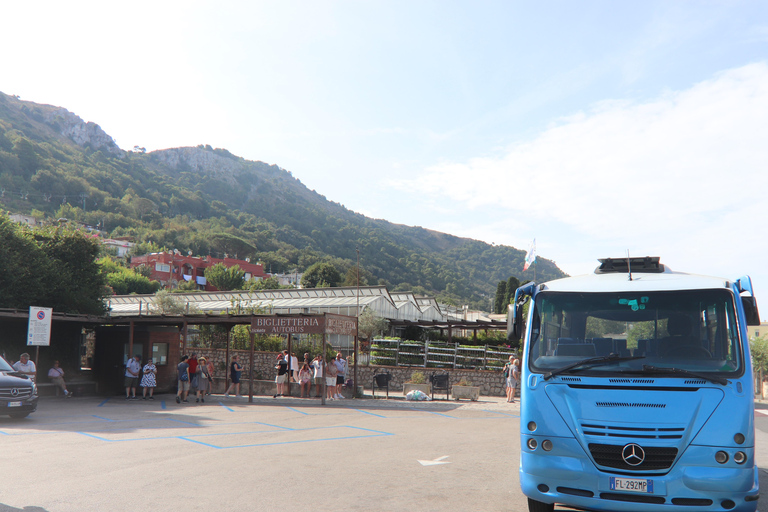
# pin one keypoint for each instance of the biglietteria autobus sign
(305, 324)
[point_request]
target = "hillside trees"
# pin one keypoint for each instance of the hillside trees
(166, 200)
(321, 275)
(499, 303)
(224, 278)
(53, 267)
(125, 281)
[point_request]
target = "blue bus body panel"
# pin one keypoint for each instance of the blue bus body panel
(679, 422)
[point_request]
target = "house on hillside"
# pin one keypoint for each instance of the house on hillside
(172, 268)
(122, 247)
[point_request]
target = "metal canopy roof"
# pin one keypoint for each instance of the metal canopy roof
(395, 306)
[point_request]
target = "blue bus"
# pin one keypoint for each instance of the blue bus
(636, 390)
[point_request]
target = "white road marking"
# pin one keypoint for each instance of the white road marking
(435, 462)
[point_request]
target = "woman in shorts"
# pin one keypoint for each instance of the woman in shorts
(330, 380)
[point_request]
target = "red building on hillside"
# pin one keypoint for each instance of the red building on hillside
(171, 268)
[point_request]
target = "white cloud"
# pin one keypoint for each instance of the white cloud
(681, 176)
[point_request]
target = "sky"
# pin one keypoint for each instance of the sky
(596, 127)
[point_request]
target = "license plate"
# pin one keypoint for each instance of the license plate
(631, 485)
(14, 404)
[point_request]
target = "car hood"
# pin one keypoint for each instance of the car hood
(15, 379)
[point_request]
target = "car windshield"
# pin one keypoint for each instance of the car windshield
(692, 330)
(4, 366)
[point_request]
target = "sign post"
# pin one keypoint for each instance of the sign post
(39, 327)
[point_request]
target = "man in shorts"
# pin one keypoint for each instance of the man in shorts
(318, 364)
(341, 368)
(182, 371)
(132, 369)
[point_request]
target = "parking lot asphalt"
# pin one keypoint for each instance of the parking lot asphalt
(228, 454)
(109, 454)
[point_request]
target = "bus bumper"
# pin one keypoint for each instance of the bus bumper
(566, 475)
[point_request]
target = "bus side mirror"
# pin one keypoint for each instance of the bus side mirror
(750, 310)
(748, 301)
(514, 322)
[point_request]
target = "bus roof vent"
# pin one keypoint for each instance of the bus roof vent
(645, 264)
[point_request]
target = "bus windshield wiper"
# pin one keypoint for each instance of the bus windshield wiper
(592, 361)
(671, 370)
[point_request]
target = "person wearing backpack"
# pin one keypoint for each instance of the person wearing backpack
(509, 379)
(182, 371)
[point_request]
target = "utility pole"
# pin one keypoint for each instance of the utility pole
(357, 324)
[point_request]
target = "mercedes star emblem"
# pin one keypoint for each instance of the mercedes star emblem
(633, 454)
(14, 392)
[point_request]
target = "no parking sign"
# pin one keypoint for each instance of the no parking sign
(39, 328)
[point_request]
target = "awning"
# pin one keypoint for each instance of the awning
(187, 277)
(201, 280)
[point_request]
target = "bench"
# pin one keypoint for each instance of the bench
(78, 387)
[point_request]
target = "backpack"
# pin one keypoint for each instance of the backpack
(506, 372)
(184, 377)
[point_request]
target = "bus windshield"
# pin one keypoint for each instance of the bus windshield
(692, 330)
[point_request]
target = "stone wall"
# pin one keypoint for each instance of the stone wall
(491, 382)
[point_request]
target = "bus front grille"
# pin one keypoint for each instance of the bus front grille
(655, 457)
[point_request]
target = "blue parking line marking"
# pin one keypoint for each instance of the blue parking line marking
(227, 408)
(102, 418)
(102, 403)
(366, 412)
(200, 442)
(296, 410)
(436, 413)
(162, 405)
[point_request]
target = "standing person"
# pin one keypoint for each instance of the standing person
(149, 380)
(330, 380)
(56, 375)
(509, 380)
(182, 376)
(132, 369)
(210, 376)
(203, 379)
(294, 367)
(192, 361)
(305, 379)
(235, 370)
(341, 368)
(515, 376)
(318, 365)
(282, 374)
(25, 366)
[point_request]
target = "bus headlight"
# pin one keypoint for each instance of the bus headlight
(721, 457)
(739, 457)
(532, 426)
(532, 444)
(546, 445)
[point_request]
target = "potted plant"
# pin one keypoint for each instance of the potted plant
(417, 381)
(463, 389)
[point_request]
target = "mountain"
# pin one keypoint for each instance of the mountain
(209, 201)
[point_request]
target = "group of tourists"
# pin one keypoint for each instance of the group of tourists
(137, 375)
(27, 367)
(331, 373)
(196, 376)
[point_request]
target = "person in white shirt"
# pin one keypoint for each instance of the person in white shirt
(132, 369)
(318, 364)
(341, 368)
(56, 374)
(25, 366)
(294, 367)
